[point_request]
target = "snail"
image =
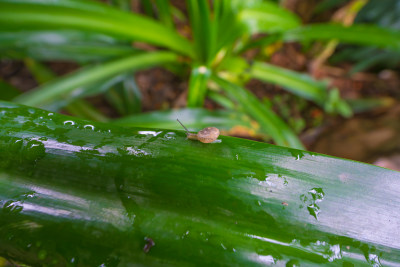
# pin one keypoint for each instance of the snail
(207, 135)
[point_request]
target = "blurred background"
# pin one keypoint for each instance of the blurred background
(316, 75)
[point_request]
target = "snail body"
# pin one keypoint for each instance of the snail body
(207, 135)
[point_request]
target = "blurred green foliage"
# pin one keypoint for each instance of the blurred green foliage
(385, 14)
(100, 37)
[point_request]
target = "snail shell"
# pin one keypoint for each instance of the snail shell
(207, 135)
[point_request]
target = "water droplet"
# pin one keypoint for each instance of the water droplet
(153, 133)
(268, 260)
(317, 194)
(69, 123)
(89, 127)
(374, 260)
(35, 150)
(293, 263)
(169, 136)
(297, 154)
(335, 253)
(222, 245)
(314, 210)
(29, 194)
(12, 206)
(237, 157)
(50, 114)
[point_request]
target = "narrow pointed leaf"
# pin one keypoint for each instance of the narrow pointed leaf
(300, 84)
(65, 45)
(92, 74)
(267, 17)
(270, 123)
(88, 16)
(355, 34)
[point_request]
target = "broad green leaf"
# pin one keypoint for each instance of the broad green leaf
(267, 17)
(92, 74)
(355, 34)
(88, 16)
(79, 192)
(270, 123)
(192, 118)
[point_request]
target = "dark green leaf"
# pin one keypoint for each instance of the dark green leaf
(92, 194)
(88, 16)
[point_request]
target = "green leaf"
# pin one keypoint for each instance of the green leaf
(355, 34)
(7, 91)
(200, 21)
(126, 96)
(270, 123)
(85, 193)
(164, 13)
(198, 86)
(40, 72)
(267, 17)
(192, 118)
(221, 100)
(300, 84)
(75, 106)
(85, 110)
(78, 46)
(91, 74)
(88, 16)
